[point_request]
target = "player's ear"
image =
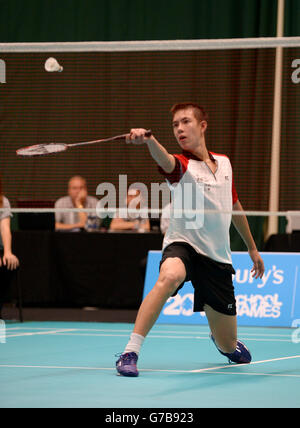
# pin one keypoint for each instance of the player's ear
(204, 125)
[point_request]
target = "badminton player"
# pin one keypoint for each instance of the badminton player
(200, 254)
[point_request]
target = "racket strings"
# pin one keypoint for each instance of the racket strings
(42, 149)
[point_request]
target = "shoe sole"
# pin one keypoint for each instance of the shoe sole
(128, 374)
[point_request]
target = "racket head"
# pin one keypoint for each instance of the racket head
(42, 149)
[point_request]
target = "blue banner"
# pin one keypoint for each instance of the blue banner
(273, 300)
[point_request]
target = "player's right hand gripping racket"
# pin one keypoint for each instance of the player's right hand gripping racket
(51, 148)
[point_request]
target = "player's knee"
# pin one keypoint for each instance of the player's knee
(169, 282)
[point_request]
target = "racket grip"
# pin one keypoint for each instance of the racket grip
(148, 133)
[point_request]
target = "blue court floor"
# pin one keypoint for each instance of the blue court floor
(71, 365)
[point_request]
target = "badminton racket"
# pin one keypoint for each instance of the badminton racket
(51, 148)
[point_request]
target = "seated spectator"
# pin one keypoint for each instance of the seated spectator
(131, 222)
(8, 261)
(77, 198)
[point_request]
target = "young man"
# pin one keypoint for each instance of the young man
(200, 254)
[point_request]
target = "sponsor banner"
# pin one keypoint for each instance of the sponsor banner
(273, 300)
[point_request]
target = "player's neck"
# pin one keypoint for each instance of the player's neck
(201, 151)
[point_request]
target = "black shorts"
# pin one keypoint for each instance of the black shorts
(212, 280)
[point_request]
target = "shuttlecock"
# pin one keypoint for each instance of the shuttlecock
(52, 65)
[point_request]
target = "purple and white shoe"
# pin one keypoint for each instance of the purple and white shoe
(241, 355)
(126, 364)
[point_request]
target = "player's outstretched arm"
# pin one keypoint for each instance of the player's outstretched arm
(157, 151)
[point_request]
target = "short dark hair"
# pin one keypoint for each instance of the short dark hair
(199, 112)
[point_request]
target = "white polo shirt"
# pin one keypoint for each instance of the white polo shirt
(194, 185)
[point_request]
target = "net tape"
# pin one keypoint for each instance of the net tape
(154, 45)
(153, 212)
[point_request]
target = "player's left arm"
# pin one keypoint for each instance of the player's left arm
(242, 226)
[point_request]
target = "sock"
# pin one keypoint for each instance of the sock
(134, 344)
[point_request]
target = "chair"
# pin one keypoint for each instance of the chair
(19, 291)
(36, 221)
(16, 281)
(293, 222)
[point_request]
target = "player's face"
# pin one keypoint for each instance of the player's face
(188, 131)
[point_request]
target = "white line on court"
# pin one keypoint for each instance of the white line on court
(40, 333)
(159, 336)
(214, 370)
(258, 374)
(189, 332)
(243, 365)
(74, 332)
(167, 334)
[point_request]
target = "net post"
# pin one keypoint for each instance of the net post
(276, 128)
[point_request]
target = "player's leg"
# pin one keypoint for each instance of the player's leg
(172, 274)
(224, 334)
(223, 328)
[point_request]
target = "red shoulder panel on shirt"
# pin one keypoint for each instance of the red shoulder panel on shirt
(180, 168)
(234, 193)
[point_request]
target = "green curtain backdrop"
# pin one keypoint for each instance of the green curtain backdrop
(107, 20)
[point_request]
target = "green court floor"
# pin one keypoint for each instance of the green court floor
(71, 365)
